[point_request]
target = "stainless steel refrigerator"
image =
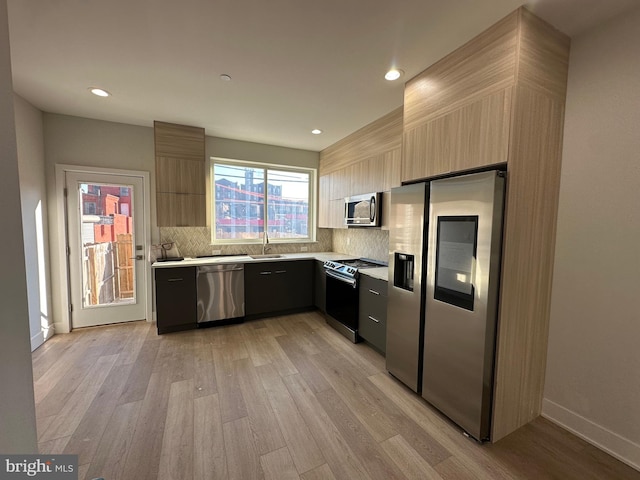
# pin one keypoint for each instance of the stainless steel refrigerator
(460, 259)
(405, 302)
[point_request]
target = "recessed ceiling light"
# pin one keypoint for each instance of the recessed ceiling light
(393, 74)
(316, 131)
(99, 92)
(225, 77)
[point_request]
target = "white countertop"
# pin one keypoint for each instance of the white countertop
(381, 273)
(194, 262)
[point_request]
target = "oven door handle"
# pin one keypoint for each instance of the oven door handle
(350, 281)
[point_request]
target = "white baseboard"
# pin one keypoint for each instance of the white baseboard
(37, 340)
(42, 336)
(60, 327)
(615, 445)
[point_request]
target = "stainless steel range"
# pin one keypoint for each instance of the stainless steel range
(342, 294)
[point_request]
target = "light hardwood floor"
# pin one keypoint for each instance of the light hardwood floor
(281, 398)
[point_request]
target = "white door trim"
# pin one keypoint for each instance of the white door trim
(64, 323)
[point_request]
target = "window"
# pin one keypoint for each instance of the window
(89, 208)
(250, 198)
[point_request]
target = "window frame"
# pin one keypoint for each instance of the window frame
(312, 215)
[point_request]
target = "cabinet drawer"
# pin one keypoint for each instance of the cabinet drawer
(175, 274)
(374, 286)
(372, 319)
(375, 305)
(373, 329)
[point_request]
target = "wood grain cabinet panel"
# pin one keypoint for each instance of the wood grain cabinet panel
(480, 132)
(180, 209)
(340, 183)
(379, 136)
(542, 60)
(426, 150)
(527, 259)
(330, 210)
(180, 175)
(177, 175)
(178, 141)
(324, 199)
(355, 176)
(374, 174)
(392, 170)
(366, 176)
(336, 213)
(472, 136)
(368, 160)
(479, 68)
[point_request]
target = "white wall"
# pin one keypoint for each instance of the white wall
(258, 152)
(593, 366)
(94, 143)
(33, 195)
(17, 408)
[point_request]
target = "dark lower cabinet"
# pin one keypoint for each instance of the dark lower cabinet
(320, 287)
(271, 287)
(372, 319)
(176, 299)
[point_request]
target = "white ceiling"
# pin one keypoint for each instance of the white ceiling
(295, 64)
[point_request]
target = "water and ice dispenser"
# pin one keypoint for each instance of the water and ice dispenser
(403, 272)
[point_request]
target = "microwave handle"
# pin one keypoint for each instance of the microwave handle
(372, 209)
(346, 211)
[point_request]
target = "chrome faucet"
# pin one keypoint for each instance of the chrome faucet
(265, 242)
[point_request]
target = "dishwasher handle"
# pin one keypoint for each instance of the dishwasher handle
(220, 268)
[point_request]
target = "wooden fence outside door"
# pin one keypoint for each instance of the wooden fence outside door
(109, 272)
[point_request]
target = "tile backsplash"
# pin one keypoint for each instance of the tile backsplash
(359, 242)
(362, 242)
(194, 241)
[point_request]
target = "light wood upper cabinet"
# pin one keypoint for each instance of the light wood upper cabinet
(457, 113)
(391, 169)
(380, 136)
(368, 160)
(180, 175)
(330, 210)
(471, 136)
(340, 182)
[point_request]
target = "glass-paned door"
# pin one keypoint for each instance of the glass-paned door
(105, 219)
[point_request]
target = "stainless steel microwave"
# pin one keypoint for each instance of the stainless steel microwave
(362, 210)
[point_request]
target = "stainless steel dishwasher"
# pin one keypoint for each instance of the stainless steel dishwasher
(220, 292)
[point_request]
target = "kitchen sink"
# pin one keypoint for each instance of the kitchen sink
(266, 255)
(218, 255)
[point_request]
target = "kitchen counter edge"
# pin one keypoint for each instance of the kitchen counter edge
(381, 273)
(194, 262)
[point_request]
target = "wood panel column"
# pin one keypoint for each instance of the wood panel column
(180, 175)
